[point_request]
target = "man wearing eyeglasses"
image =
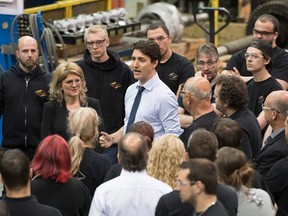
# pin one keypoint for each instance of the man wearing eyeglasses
(196, 95)
(258, 57)
(172, 69)
(198, 188)
(275, 147)
(207, 59)
(266, 27)
(107, 79)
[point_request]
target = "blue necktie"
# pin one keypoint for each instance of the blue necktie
(135, 107)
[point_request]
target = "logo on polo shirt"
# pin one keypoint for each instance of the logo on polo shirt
(173, 76)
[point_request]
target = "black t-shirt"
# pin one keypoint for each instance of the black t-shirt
(258, 91)
(251, 133)
(204, 121)
(278, 69)
(29, 206)
(71, 198)
(213, 210)
(170, 204)
(175, 71)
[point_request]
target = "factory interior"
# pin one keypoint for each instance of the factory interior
(227, 24)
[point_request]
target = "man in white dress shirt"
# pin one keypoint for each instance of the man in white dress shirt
(133, 192)
(158, 105)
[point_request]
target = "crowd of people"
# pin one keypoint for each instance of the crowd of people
(97, 137)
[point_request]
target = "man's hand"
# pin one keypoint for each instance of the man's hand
(106, 140)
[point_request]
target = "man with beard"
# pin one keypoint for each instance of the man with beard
(266, 27)
(107, 79)
(23, 91)
(198, 188)
(231, 98)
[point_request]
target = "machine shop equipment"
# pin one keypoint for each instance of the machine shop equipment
(169, 15)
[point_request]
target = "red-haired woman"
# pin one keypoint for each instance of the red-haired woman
(53, 183)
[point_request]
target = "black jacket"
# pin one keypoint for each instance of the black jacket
(22, 97)
(108, 82)
(274, 150)
(54, 120)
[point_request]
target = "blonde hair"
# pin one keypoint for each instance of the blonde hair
(165, 156)
(95, 29)
(60, 74)
(83, 126)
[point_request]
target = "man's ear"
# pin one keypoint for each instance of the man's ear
(267, 61)
(155, 63)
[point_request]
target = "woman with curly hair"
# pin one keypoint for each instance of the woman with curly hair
(67, 93)
(234, 170)
(165, 156)
(53, 183)
(88, 165)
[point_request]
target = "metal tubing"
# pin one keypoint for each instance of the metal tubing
(234, 46)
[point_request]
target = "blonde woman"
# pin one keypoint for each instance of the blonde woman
(88, 165)
(67, 94)
(165, 156)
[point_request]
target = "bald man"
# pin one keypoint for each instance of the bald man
(133, 192)
(275, 147)
(196, 95)
(23, 91)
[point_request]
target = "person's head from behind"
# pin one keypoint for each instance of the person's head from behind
(266, 27)
(230, 93)
(144, 60)
(202, 144)
(15, 170)
(52, 159)
(83, 127)
(145, 129)
(27, 53)
(68, 81)
(133, 152)
(97, 41)
(207, 59)
(228, 132)
(160, 34)
(233, 168)
(196, 177)
(196, 90)
(165, 156)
